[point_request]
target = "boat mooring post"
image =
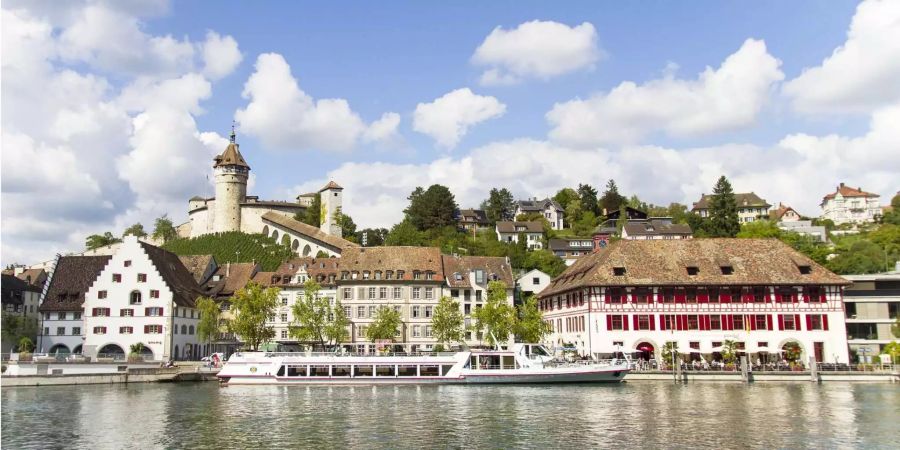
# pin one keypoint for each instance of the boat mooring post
(813, 369)
(745, 376)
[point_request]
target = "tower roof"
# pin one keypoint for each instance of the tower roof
(232, 155)
(331, 185)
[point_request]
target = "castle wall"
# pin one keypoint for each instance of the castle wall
(251, 215)
(231, 190)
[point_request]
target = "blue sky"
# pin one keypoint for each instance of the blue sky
(141, 95)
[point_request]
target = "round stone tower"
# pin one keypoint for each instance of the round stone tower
(231, 173)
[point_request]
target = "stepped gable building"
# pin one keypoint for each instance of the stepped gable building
(62, 307)
(850, 205)
(750, 207)
(639, 295)
(233, 210)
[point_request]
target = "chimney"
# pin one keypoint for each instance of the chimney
(227, 269)
(841, 185)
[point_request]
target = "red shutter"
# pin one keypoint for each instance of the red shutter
(146, 329)
(682, 322)
(706, 322)
(161, 312)
(636, 327)
(725, 298)
(768, 296)
(679, 296)
(778, 297)
(822, 295)
(752, 322)
(825, 322)
(794, 298)
(625, 323)
(797, 322)
(805, 295)
(662, 322)
(607, 297)
(704, 297)
(608, 322)
(768, 322)
(781, 322)
(652, 322)
(809, 322)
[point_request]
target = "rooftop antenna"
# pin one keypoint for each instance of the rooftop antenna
(232, 132)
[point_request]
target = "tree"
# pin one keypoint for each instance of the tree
(135, 230)
(585, 225)
(623, 218)
(208, 326)
(892, 349)
(566, 196)
(760, 229)
(372, 237)
(497, 317)
(25, 345)
(723, 216)
(588, 196)
(432, 208)
(404, 233)
(500, 205)
(612, 200)
(530, 324)
(96, 241)
(893, 216)
(385, 325)
(348, 227)
(447, 321)
(668, 353)
(543, 260)
(163, 229)
(251, 307)
(312, 215)
(729, 351)
(336, 331)
(315, 320)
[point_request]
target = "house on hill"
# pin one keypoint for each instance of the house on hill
(749, 205)
(850, 205)
(548, 208)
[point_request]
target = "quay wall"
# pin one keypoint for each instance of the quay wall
(781, 377)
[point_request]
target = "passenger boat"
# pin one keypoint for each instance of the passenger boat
(519, 363)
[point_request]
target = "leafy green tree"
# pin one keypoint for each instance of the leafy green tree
(404, 233)
(25, 345)
(530, 325)
(636, 203)
(893, 216)
(372, 237)
(315, 320)
(669, 351)
(760, 229)
(336, 331)
(208, 326)
(322, 254)
(164, 229)
(251, 307)
(585, 225)
(573, 212)
(729, 351)
(312, 214)
(135, 230)
(431, 208)
(588, 196)
(497, 318)
(545, 261)
(385, 325)
(500, 205)
(892, 349)
(447, 321)
(623, 218)
(96, 241)
(612, 199)
(566, 196)
(348, 227)
(723, 216)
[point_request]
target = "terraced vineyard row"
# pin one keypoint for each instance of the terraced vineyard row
(234, 247)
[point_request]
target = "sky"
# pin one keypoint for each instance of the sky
(113, 110)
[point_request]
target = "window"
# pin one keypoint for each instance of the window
(142, 277)
(619, 271)
(190, 329)
(46, 331)
(154, 329)
(372, 311)
(61, 331)
(535, 281)
(615, 295)
(46, 317)
(101, 294)
(726, 270)
(153, 312)
(76, 316)
(467, 309)
(715, 322)
(428, 331)
(61, 316)
(126, 313)
(416, 275)
(397, 291)
(668, 295)
(360, 312)
(416, 331)
(738, 322)
(348, 293)
(429, 275)
(135, 298)
(454, 293)
(76, 331)
(816, 322)
(371, 293)
(429, 293)
(382, 292)
(788, 322)
(643, 322)
(128, 263)
(415, 311)
(100, 312)
(284, 301)
(365, 274)
(347, 312)
(283, 317)
(117, 278)
(760, 321)
(126, 330)
(417, 292)
(691, 295)
(804, 270)
(693, 323)
(693, 270)
(427, 312)
(641, 295)
(479, 276)
(759, 295)
(616, 322)
(477, 296)
(99, 330)
(284, 334)
(154, 293)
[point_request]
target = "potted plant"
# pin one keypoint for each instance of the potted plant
(134, 354)
(729, 354)
(25, 349)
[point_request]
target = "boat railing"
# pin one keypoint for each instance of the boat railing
(343, 354)
(586, 362)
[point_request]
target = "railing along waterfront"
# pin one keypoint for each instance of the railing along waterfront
(653, 366)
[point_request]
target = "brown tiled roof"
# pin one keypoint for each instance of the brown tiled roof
(196, 265)
(566, 245)
(744, 200)
(510, 227)
(71, 279)
(657, 227)
(847, 191)
(308, 230)
(230, 157)
(13, 289)
(35, 277)
(407, 259)
(331, 185)
(232, 277)
(179, 279)
(472, 216)
(495, 268)
(664, 262)
(263, 278)
(782, 210)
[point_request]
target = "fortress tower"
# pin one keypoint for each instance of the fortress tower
(330, 196)
(231, 172)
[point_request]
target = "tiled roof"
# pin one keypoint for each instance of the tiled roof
(664, 262)
(178, 278)
(196, 265)
(510, 227)
(407, 259)
(472, 216)
(656, 227)
(232, 277)
(847, 191)
(35, 277)
(12, 290)
(71, 279)
(745, 200)
(538, 205)
(495, 268)
(331, 185)
(307, 230)
(782, 210)
(230, 157)
(566, 245)
(319, 269)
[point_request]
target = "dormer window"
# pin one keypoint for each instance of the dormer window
(377, 274)
(619, 271)
(345, 275)
(805, 269)
(479, 276)
(416, 275)
(365, 275)
(693, 270)
(457, 276)
(727, 270)
(429, 275)
(388, 274)
(354, 275)
(400, 274)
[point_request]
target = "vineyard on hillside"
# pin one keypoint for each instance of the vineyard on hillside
(234, 247)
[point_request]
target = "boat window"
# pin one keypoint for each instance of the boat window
(340, 371)
(280, 372)
(539, 350)
(362, 371)
(445, 369)
(296, 371)
(509, 362)
(488, 362)
(384, 371)
(429, 371)
(318, 371)
(406, 371)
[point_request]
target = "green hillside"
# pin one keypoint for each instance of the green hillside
(234, 247)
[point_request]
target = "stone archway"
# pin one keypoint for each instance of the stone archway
(77, 349)
(265, 231)
(111, 350)
(785, 349)
(295, 245)
(286, 240)
(275, 235)
(59, 349)
(645, 350)
(307, 250)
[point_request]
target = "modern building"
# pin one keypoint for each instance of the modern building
(698, 293)
(472, 220)
(548, 208)
(570, 249)
(750, 207)
(805, 227)
(532, 282)
(656, 228)
(871, 304)
(19, 299)
(850, 205)
(533, 233)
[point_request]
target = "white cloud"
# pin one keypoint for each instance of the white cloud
(283, 116)
(448, 118)
(536, 49)
(220, 55)
(861, 74)
(384, 130)
(720, 99)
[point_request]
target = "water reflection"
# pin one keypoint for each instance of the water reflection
(655, 415)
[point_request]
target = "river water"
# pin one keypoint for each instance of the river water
(639, 414)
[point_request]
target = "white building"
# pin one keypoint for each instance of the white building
(533, 282)
(805, 227)
(532, 231)
(750, 207)
(698, 293)
(145, 295)
(550, 209)
(850, 205)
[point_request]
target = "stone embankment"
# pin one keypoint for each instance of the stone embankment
(69, 374)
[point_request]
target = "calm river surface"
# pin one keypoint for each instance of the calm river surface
(649, 415)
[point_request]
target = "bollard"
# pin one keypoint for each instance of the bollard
(744, 375)
(813, 370)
